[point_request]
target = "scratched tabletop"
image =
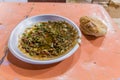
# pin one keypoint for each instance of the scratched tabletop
(96, 59)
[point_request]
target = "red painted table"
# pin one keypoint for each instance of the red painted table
(96, 59)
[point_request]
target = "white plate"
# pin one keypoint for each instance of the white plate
(19, 29)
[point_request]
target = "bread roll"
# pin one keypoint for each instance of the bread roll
(92, 26)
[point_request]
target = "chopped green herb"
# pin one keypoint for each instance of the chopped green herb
(48, 40)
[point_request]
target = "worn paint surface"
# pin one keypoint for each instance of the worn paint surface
(96, 59)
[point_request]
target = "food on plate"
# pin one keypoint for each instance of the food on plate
(92, 26)
(48, 40)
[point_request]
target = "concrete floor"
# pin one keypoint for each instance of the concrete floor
(113, 8)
